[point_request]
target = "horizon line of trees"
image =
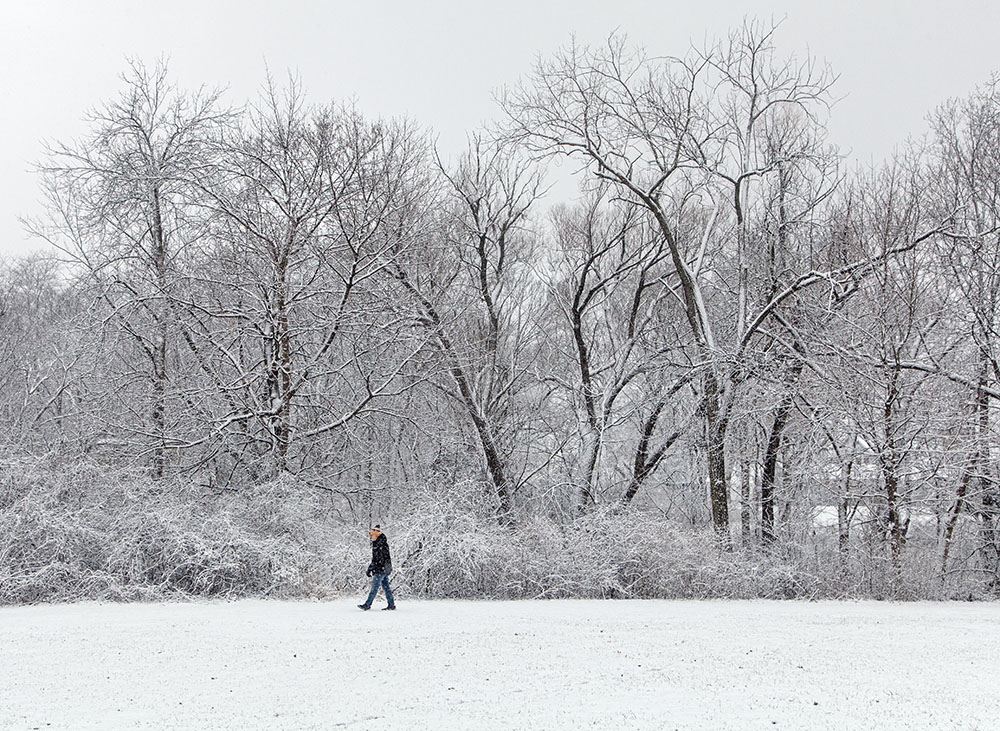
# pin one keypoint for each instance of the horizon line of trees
(725, 327)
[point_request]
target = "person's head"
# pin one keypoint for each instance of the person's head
(375, 532)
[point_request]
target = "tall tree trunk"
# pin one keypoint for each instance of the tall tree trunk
(159, 345)
(278, 421)
(953, 515)
(595, 433)
(592, 451)
(715, 409)
(772, 450)
(746, 511)
(990, 509)
(890, 476)
(716, 424)
(843, 518)
(770, 469)
(283, 382)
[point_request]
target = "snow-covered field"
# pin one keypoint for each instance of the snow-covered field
(501, 665)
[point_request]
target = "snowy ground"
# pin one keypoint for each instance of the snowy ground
(501, 665)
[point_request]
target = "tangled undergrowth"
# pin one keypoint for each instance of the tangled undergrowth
(86, 531)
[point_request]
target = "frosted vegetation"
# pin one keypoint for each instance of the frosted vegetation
(85, 531)
(732, 365)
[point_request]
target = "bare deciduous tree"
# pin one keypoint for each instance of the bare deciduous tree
(470, 289)
(670, 134)
(119, 205)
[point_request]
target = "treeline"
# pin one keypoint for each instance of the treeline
(728, 328)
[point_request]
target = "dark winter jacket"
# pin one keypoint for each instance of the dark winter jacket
(381, 563)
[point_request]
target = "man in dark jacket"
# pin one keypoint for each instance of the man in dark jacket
(379, 569)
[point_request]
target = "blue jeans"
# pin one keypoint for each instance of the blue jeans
(383, 581)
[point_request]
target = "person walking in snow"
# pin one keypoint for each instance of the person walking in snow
(379, 569)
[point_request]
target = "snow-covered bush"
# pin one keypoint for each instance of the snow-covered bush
(86, 531)
(605, 554)
(91, 532)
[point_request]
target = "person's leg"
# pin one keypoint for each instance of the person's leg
(388, 592)
(376, 580)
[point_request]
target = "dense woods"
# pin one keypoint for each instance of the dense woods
(734, 365)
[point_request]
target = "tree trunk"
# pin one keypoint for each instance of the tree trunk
(953, 515)
(890, 476)
(715, 427)
(769, 472)
(159, 345)
(990, 505)
(592, 452)
(843, 520)
(746, 512)
(278, 387)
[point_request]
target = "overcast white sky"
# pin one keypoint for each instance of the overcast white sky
(439, 62)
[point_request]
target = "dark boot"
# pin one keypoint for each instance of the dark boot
(389, 609)
(366, 607)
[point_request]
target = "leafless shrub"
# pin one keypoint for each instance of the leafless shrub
(89, 532)
(86, 531)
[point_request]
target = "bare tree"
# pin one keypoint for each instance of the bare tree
(897, 317)
(307, 211)
(43, 358)
(470, 288)
(670, 134)
(967, 187)
(613, 343)
(119, 205)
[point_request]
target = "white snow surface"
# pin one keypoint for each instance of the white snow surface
(501, 665)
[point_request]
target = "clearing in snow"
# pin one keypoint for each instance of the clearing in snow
(501, 665)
